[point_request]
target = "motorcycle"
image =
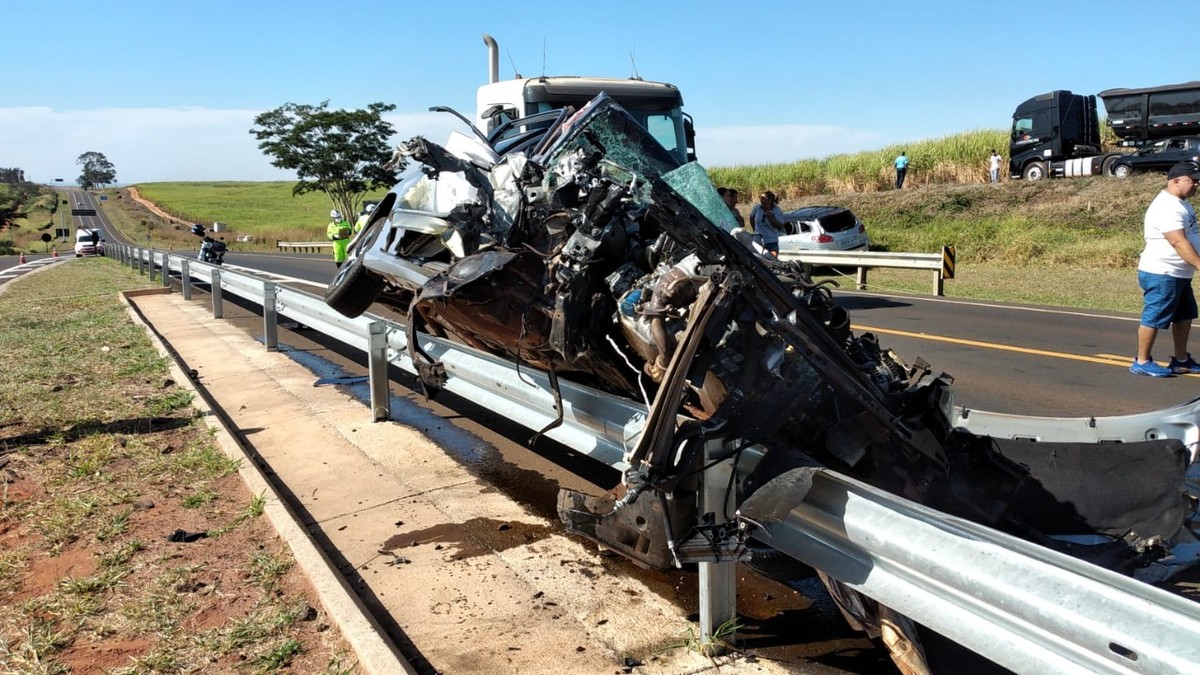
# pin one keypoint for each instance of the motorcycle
(212, 251)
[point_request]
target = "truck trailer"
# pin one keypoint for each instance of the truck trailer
(1057, 134)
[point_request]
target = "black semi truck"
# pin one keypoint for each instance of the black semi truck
(1058, 134)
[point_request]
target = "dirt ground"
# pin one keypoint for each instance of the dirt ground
(129, 542)
(207, 585)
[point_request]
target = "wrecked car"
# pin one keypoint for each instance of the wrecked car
(580, 247)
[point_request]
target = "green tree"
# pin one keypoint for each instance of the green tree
(339, 152)
(97, 170)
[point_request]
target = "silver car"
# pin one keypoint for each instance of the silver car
(823, 228)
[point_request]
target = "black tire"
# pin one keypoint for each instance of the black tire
(1122, 170)
(1034, 171)
(1106, 167)
(353, 287)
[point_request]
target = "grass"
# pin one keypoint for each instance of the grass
(267, 211)
(107, 447)
(958, 158)
(717, 644)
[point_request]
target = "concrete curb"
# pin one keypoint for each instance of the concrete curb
(375, 654)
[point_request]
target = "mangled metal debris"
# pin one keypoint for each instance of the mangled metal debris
(584, 249)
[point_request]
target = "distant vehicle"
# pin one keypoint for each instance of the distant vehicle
(1159, 156)
(89, 241)
(823, 228)
(1057, 134)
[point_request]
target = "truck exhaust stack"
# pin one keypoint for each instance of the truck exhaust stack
(493, 59)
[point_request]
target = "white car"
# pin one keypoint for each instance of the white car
(84, 243)
(823, 228)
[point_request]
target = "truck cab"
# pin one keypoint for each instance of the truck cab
(657, 106)
(1052, 127)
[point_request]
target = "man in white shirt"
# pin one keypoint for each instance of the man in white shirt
(1165, 271)
(994, 166)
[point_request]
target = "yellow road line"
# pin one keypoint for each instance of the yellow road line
(1106, 359)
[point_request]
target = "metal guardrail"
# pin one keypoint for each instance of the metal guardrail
(304, 246)
(1025, 607)
(942, 264)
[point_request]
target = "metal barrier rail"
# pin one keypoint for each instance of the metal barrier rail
(942, 263)
(303, 246)
(594, 423)
(1025, 607)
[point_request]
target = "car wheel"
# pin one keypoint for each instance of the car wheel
(354, 287)
(1122, 170)
(1034, 171)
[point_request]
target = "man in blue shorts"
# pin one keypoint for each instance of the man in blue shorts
(1165, 272)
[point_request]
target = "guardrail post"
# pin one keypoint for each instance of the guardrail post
(860, 280)
(216, 294)
(141, 262)
(377, 365)
(270, 318)
(947, 271)
(185, 278)
(718, 580)
(166, 270)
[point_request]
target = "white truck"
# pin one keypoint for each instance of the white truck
(657, 106)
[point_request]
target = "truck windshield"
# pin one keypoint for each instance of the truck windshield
(1021, 126)
(664, 125)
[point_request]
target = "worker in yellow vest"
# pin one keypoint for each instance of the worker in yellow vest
(338, 230)
(362, 219)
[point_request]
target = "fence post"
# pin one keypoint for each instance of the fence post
(718, 580)
(377, 365)
(218, 311)
(270, 318)
(185, 277)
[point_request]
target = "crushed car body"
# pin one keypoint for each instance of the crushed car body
(577, 245)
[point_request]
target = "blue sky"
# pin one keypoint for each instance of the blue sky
(168, 90)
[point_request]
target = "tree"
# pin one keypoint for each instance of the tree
(339, 152)
(13, 175)
(97, 170)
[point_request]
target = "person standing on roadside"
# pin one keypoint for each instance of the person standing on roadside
(729, 195)
(901, 169)
(994, 166)
(1165, 271)
(338, 230)
(363, 218)
(767, 220)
